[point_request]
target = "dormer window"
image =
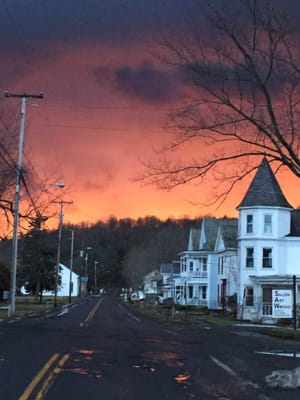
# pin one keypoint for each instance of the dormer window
(249, 223)
(267, 223)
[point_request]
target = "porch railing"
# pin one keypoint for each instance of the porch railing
(267, 309)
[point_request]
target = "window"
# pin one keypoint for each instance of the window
(249, 223)
(191, 266)
(203, 292)
(249, 257)
(190, 292)
(220, 265)
(249, 296)
(267, 258)
(267, 223)
(203, 263)
(184, 265)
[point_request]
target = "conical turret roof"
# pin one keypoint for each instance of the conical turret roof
(264, 190)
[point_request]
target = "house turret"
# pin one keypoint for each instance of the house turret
(264, 210)
(268, 251)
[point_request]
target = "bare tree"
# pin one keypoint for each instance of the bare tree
(243, 98)
(8, 152)
(38, 193)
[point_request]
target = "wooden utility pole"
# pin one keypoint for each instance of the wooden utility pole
(71, 267)
(13, 272)
(61, 217)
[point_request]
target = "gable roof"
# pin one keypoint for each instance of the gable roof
(63, 269)
(209, 230)
(264, 189)
(227, 227)
(194, 239)
(229, 232)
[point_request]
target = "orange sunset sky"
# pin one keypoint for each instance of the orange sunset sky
(106, 98)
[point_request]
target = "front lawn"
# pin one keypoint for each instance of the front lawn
(26, 306)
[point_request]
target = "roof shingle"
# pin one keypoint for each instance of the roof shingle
(264, 190)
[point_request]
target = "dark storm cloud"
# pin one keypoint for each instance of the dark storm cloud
(32, 23)
(38, 32)
(38, 25)
(147, 83)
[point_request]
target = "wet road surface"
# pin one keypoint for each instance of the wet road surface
(97, 349)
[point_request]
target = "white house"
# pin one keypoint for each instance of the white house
(208, 268)
(151, 282)
(64, 287)
(269, 247)
(169, 272)
(227, 256)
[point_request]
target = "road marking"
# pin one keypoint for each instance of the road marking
(27, 392)
(231, 372)
(91, 314)
(63, 312)
(51, 378)
(129, 314)
(224, 366)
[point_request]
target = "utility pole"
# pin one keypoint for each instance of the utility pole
(71, 268)
(95, 276)
(60, 223)
(14, 260)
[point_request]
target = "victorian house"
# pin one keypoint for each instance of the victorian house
(208, 268)
(269, 246)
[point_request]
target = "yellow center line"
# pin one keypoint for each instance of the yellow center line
(49, 381)
(27, 392)
(91, 314)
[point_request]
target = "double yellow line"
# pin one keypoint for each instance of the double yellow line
(52, 367)
(56, 363)
(91, 314)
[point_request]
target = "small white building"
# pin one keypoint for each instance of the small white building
(65, 277)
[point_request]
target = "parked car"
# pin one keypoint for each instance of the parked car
(137, 296)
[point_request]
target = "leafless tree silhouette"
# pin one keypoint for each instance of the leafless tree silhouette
(244, 97)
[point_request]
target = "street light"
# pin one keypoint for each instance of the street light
(60, 223)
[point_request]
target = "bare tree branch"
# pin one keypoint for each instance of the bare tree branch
(244, 98)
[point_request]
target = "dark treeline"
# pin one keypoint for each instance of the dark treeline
(121, 251)
(127, 249)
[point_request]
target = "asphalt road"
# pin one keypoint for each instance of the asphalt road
(96, 349)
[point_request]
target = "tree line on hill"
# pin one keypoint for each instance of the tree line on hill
(119, 251)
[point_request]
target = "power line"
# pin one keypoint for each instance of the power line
(84, 127)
